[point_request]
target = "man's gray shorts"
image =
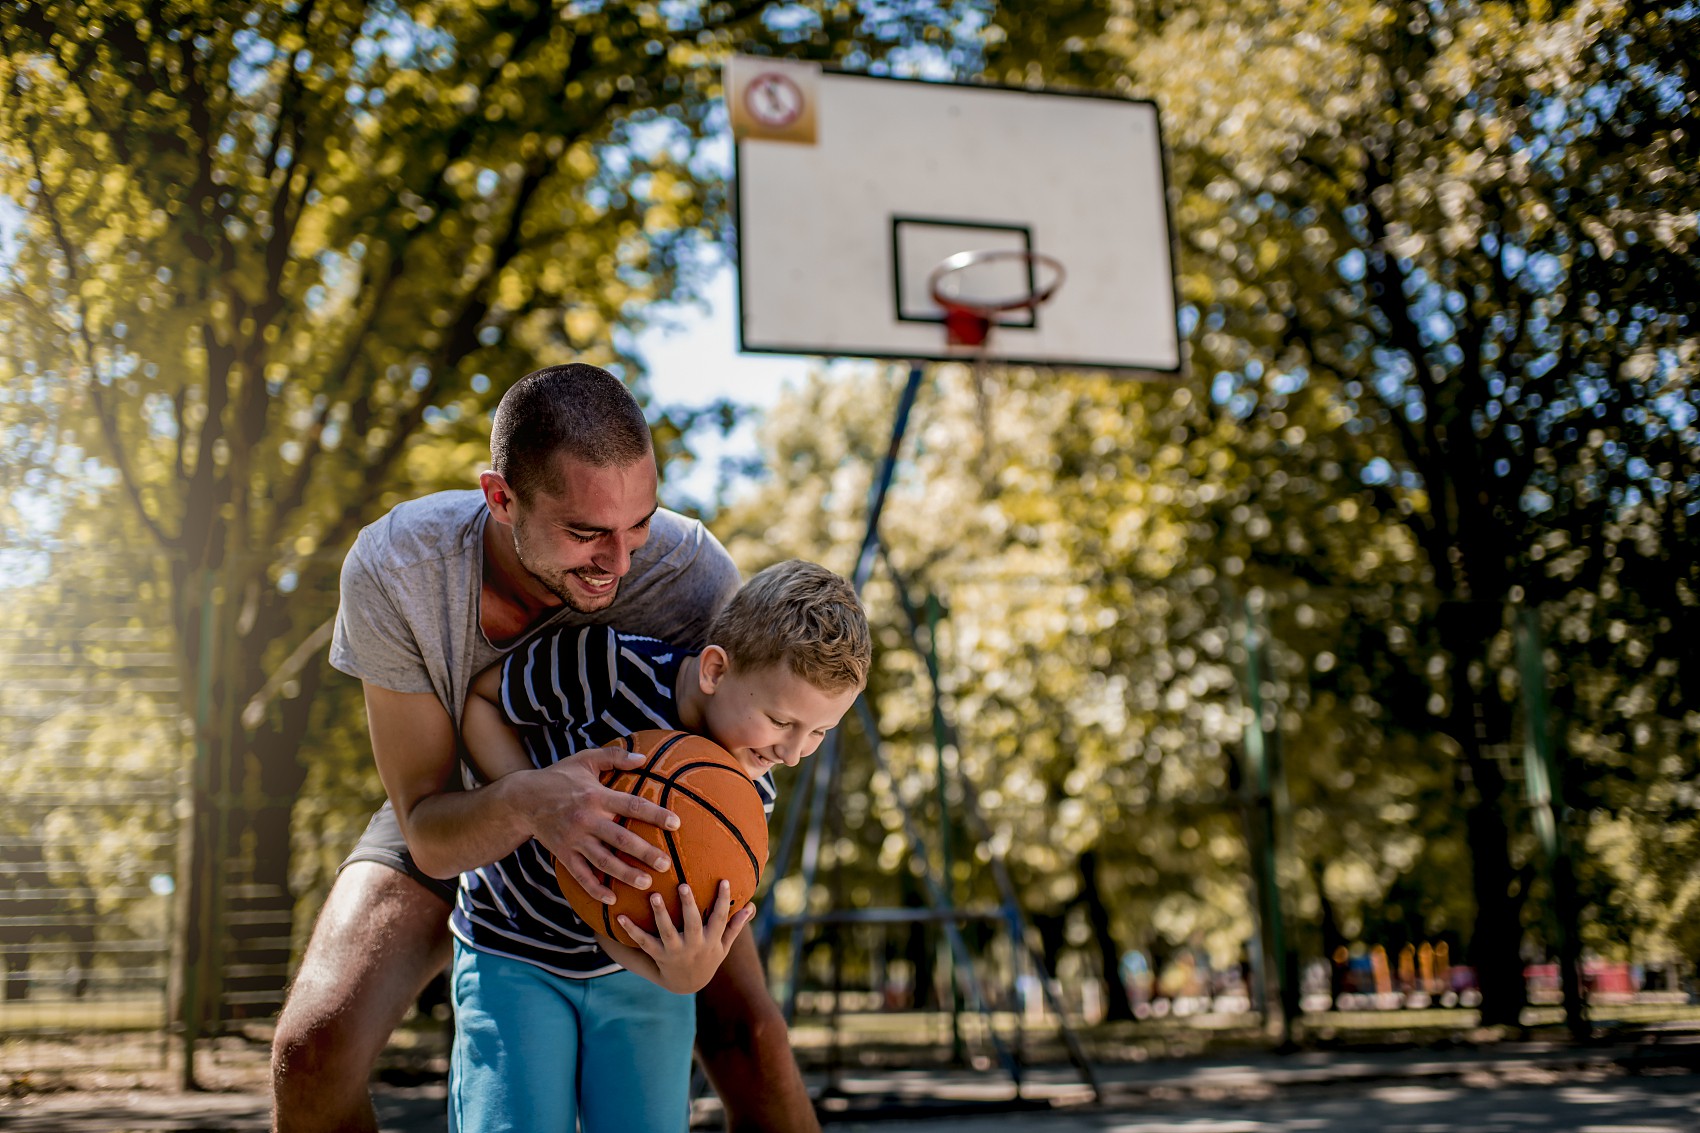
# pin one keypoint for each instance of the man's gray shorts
(384, 844)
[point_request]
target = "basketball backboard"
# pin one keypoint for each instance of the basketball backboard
(852, 189)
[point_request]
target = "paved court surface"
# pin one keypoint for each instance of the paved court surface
(1660, 1104)
(1635, 1105)
(1550, 1091)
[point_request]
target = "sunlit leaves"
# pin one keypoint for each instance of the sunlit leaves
(1438, 257)
(273, 264)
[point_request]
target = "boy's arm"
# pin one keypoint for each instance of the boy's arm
(492, 742)
(634, 961)
(685, 958)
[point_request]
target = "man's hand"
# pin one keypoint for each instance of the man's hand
(578, 820)
(564, 805)
(685, 958)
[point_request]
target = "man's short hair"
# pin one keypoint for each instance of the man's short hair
(581, 410)
(800, 614)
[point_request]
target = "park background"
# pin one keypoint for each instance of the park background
(1364, 656)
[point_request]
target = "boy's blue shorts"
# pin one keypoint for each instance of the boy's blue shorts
(536, 1052)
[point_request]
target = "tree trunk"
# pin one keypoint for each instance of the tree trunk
(1053, 937)
(260, 905)
(917, 947)
(236, 923)
(1496, 937)
(1334, 941)
(1475, 723)
(1116, 1002)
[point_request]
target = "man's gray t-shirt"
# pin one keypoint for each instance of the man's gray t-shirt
(408, 616)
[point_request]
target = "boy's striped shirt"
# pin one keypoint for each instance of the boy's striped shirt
(564, 691)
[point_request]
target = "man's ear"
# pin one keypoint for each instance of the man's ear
(498, 496)
(712, 668)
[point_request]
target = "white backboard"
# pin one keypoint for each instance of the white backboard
(837, 235)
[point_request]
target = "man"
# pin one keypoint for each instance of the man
(565, 530)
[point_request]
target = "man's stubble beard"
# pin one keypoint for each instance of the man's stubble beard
(557, 588)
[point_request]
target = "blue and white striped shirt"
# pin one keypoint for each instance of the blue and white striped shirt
(566, 690)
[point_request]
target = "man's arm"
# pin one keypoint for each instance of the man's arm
(746, 1049)
(564, 806)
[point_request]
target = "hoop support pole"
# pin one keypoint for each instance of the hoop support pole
(979, 829)
(825, 762)
(882, 484)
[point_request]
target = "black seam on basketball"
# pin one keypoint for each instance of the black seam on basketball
(666, 746)
(643, 773)
(666, 784)
(646, 771)
(672, 846)
(670, 786)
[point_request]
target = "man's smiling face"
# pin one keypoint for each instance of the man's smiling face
(577, 541)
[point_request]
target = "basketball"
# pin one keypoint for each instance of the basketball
(722, 834)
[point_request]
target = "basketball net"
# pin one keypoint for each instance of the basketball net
(968, 324)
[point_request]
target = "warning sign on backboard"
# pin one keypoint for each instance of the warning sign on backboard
(772, 100)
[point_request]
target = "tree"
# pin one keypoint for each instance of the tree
(270, 258)
(1089, 704)
(1470, 227)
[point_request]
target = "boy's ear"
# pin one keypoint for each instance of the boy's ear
(712, 668)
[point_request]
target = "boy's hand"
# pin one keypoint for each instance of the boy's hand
(688, 956)
(577, 819)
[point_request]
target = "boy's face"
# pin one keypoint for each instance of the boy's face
(767, 717)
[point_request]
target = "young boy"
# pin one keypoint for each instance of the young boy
(555, 1023)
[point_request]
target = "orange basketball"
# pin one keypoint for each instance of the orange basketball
(722, 832)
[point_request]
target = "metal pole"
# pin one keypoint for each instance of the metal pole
(882, 483)
(196, 928)
(826, 760)
(947, 873)
(1260, 761)
(981, 832)
(864, 567)
(1541, 777)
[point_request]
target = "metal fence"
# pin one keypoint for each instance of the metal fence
(91, 753)
(97, 755)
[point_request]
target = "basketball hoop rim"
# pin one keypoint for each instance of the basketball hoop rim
(962, 260)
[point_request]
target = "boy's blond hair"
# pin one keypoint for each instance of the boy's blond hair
(804, 615)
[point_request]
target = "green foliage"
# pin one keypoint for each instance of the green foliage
(1444, 255)
(274, 263)
(1439, 275)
